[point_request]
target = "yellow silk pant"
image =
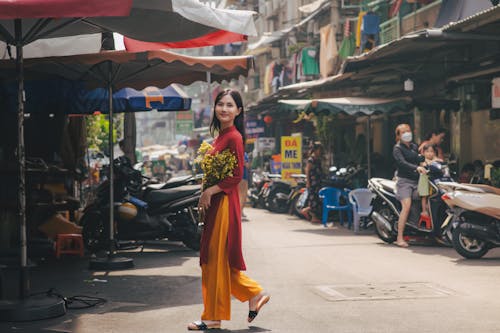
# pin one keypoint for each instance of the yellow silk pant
(218, 280)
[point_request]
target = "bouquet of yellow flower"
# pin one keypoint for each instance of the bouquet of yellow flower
(216, 166)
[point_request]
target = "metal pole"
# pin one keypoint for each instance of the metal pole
(24, 283)
(111, 173)
(368, 152)
(209, 86)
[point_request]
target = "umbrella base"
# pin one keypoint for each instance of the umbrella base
(32, 308)
(111, 263)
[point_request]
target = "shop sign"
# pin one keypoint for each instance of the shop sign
(291, 156)
(254, 129)
(495, 93)
(184, 123)
(263, 144)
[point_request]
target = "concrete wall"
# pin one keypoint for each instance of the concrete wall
(485, 135)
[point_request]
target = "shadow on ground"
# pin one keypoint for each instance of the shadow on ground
(129, 291)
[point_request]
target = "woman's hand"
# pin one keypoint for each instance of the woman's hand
(422, 170)
(205, 198)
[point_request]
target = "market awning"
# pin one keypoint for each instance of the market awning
(132, 70)
(348, 105)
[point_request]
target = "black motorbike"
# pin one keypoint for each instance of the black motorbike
(259, 188)
(386, 209)
(160, 213)
(282, 194)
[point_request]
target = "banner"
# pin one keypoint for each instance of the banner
(291, 156)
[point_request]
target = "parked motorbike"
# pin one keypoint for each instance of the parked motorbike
(282, 194)
(259, 188)
(476, 212)
(386, 209)
(352, 176)
(297, 198)
(141, 214)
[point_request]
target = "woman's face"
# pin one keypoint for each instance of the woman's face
(437, 139)
(404, 129)
(226, 111)
(429, 154)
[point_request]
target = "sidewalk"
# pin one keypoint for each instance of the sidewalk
(158, 282)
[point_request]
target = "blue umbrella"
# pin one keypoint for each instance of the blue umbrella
(72, 98)
(171, 98)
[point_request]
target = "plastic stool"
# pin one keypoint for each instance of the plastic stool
(425, 221)
(69, 244)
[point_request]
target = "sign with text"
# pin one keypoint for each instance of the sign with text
(291, 156)
(254, 129)
(263, 144)
(184, 123)
(495, 93)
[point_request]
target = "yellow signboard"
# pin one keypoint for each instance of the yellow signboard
(291, 156)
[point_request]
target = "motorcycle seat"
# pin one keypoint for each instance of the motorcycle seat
(161, 197)
(388, 185)
(172, 182)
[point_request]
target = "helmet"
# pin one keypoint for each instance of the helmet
(127, 211)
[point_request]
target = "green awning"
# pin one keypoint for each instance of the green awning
(348, 105)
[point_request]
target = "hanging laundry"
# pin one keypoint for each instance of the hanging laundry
(370, 29)
(328, 51)
(348, 47)
(268, 77)
(347, 28)
(358, 28)
(309, 62)
(277, 81)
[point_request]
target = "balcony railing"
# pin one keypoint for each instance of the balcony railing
(396, 27)
(390, 30)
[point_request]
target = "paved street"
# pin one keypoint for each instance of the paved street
(321, 280)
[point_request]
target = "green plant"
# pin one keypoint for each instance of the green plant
(495, 177)
(98, 131)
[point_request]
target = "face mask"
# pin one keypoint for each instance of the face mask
(406, 137)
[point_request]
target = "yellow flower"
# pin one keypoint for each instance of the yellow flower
(216, 166)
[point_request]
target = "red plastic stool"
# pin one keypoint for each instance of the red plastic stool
(69, 244)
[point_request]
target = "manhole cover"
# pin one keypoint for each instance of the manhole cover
(380, 291)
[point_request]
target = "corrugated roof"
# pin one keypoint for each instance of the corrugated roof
(491, 14)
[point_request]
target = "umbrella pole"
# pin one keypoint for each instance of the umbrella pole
(24, 281)
(112, 246)
(111, 262)
(27, 307)
(368, 152)
(209, 84)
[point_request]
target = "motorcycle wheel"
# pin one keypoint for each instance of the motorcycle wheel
(94, 231)
(192, 238)
(468, 247)
(275, 205)
(387, 236)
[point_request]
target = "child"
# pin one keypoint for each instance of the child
(429, 151)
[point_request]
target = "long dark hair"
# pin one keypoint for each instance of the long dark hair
(239, 121)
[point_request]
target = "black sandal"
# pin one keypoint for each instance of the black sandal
(201, 326)
(253, 313)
